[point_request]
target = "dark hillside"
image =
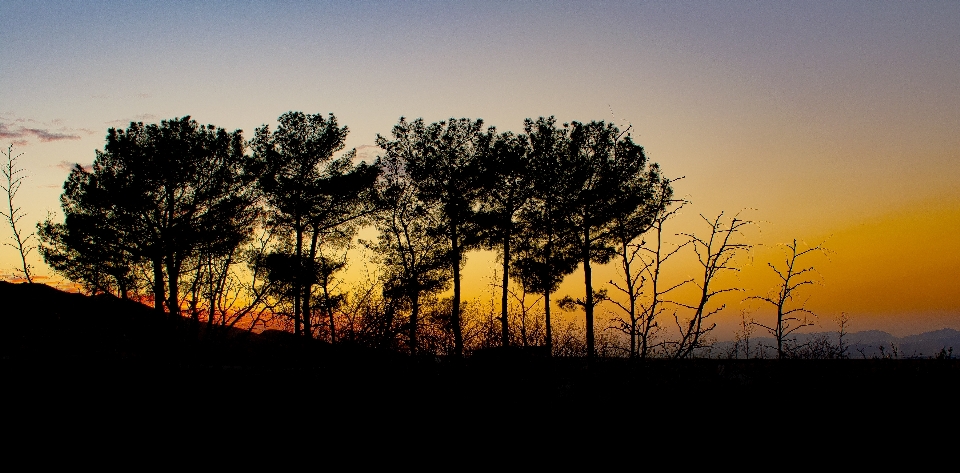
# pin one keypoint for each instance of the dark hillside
(121, 351)
(40, 325)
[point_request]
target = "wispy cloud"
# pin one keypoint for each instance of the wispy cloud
(20, 134)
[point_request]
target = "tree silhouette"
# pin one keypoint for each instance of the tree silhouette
(609, 181)
(639, 263)
(164, 192)
(14, 179)
(311, 196)
(716, 253)
(91, 247)
(545, 250)
(791, 278)
(442, 160)
(652, 267)
(414, 257)
(506, 170)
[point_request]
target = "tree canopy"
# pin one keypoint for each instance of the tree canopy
(311, 197)
(167, 207)
(157, 193)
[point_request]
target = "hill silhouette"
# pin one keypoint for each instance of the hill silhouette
(107, 345)
(43, 325)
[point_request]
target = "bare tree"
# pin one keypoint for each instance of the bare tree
(792, 278)
(641, 263)
(633, 252)
(716, 254)
(843, 329)
(744, 333)
(520, 296)
(14, 179)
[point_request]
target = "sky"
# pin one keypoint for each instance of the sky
(832, 123)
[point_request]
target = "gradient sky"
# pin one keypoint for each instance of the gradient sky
(828, 121)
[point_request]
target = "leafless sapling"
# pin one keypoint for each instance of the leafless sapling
(791, 278)
(521, 297)
(13, 179)
(716, 254)
(744, 333)
(843, 329)
(640, 264)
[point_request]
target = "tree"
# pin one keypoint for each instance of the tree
(640, 264)
(508, 185)
(791, 278)
(14, 179)
(546, 250)
(330, 298)
(310, 196)
(157, 193)
(442, 162)
(413, 256)
(90, 247)
(716, 253)
(609, 181)
(843, 330)
(240, 296)
(744, 333)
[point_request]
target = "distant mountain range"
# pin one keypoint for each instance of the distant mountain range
(865, 344)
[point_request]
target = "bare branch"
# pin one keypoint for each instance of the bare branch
(791, 280)
(14, 179)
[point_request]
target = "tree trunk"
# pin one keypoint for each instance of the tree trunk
(505, 341)
(327, 308)
(173, 282)
(414, 320)
(546, 316)
(159, 291)
(455, 313)
(588, 282)
(308, 286)
(633, 298)
(297, 278)
(214, 290)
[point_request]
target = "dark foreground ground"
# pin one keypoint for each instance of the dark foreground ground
(86, 358)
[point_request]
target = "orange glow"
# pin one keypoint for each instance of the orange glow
(903, 261)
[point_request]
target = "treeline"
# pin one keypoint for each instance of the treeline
(237, 232)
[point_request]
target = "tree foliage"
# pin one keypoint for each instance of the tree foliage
(442, 160)
(312, 198)
(545, 247)
(413, 255)
(157, 194)
(611, 189)
(506, 170)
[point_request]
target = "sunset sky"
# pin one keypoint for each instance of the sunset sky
(829, 122)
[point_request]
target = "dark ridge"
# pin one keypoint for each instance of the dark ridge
(112, 352)
(43, 326)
